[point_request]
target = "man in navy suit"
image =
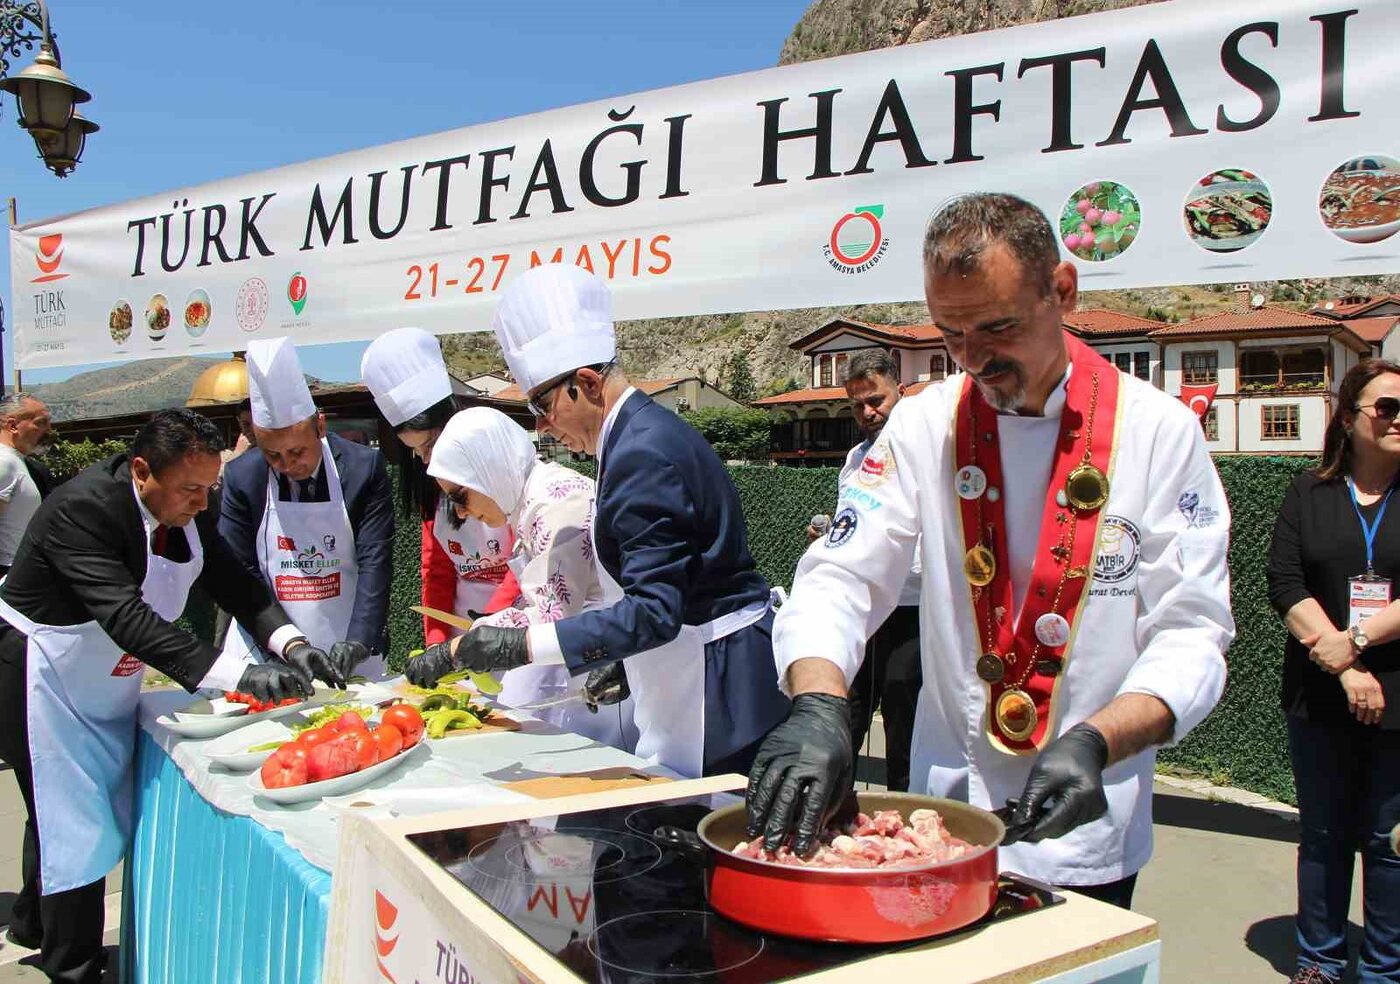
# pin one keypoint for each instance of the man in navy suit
(312, 515)
(691, 615)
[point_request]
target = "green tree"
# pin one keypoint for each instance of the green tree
(736, 433)
(66, 458)
(739, 380)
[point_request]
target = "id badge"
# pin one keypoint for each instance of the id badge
(1367, 594)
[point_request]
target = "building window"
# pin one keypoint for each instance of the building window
(1142, 365)
(1304, 367)
(1279, 422)
(898, 364)
(938, 366)
(1124, 361)
(1266, 368)
(843, 361)
(824, 370)
(1199, 368)
(1210, 424)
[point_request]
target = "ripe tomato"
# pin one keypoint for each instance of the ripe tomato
(407, 720)
(316, 736)
(389, 740)
(331, 759)
(348, 722)
(366, 748)
(285, 767)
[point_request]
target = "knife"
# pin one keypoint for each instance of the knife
(446, 618)
(552, 702)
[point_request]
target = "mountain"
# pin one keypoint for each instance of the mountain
(151, 384)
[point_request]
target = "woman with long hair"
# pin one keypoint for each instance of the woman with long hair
(1333, 567)
(464, 565)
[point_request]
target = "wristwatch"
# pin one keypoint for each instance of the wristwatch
(1359, 641)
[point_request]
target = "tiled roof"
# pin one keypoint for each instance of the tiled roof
(1262, 319)
(1099, 323)
(818, 395)
(1373, 330)
(1354, 309)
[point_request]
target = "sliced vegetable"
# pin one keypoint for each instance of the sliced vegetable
(268, 746)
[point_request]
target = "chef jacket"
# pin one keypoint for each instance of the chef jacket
(909, 594)
(1157, 606)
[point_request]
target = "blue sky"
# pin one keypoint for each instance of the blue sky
(191, 91)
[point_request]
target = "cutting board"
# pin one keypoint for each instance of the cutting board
(596, 781)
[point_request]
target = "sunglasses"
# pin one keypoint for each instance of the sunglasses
(1385, 407)
(541, 404)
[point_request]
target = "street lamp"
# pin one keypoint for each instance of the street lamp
(44, 94)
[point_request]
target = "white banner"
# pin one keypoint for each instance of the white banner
(1184, 142)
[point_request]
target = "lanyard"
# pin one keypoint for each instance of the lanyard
(1369, 531)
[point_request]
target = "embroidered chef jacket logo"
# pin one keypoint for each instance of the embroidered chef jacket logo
(1197, 515)
(1120, 545)
(453, 547)
(877, 467)
(843, 527)
(860, 498)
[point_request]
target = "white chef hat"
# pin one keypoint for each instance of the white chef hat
(276, 386)
(484, 450)
(405, 373)
(554, 319)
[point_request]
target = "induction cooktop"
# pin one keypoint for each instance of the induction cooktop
(605, 898)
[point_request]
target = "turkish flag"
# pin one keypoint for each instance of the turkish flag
(286, 543)
(1199, 398)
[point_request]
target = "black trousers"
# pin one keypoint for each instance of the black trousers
(1119, 893)
(890, 678)
(70, 924)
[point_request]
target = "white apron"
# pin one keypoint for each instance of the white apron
(306, 552)
(478, 553)
(668, 684)
(83, 694)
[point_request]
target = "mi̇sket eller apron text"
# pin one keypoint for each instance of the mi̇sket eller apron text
(83, 695)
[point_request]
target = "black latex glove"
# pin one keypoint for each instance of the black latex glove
(491, 649)
(1065, 787)
(425, 669)
(605, 686)
(274, 681)
(314, 664)
(804, 769)
(345, 656)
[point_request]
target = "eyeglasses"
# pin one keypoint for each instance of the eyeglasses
(1385, 407)
(542, 404)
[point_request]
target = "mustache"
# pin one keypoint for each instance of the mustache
(998, 366)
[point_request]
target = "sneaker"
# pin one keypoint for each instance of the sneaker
(18, 938)
(1310, 974)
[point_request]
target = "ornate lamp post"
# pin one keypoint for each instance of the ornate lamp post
(44, 94)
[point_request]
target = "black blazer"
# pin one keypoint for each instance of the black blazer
(83, 558)
(369, 501)
(1317, 546)
(670, 530)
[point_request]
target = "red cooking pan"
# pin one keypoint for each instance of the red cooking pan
(852, 905)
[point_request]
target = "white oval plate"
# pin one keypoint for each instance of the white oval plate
(211, 724)
(337, 786)
(231, 750)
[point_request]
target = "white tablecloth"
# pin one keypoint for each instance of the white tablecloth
(461, 771)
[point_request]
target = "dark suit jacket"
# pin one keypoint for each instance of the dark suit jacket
(670, 531)
(83, 558)
(369, 499)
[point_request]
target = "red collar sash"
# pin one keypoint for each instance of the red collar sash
(1022, 659)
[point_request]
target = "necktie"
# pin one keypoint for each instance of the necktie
(306, 490)
(158, 539)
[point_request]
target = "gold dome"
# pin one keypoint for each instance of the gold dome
(226, 382)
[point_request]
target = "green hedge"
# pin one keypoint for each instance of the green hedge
(1241, 744)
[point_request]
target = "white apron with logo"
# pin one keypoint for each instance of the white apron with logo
(306, 551)
(668, 684)
(83, 693)
(479, 556)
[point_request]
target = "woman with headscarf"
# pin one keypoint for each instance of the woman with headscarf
(485, 465)
(464, 561)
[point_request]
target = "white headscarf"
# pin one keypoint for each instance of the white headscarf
(276, 387)
(484, 450)
(553, 319)
(404, 371)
